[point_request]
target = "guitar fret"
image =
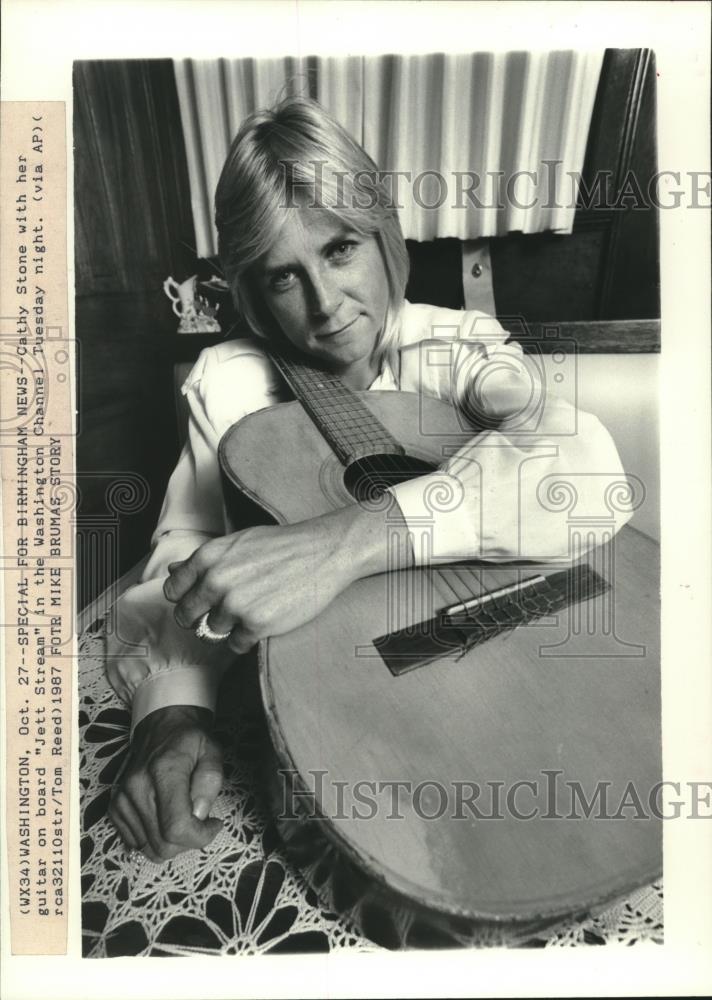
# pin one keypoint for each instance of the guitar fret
(341, 416)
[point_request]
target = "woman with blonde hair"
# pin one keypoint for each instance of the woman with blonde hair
(313, 252)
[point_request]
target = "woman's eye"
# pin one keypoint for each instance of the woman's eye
(343, 250)
(283, 279)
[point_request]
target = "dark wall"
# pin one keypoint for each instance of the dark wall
(133, 227)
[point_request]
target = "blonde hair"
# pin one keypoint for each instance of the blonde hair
(279, 157)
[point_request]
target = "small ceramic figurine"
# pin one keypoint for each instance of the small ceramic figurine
(195, 313)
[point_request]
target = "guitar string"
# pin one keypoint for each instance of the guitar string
(455, 571)
(465, 571)
(439, 575)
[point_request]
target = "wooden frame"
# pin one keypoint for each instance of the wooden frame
(615, 336)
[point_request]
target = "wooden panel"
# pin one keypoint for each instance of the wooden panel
(626, 336)
(543, 275)
(631, 283)
(436, 273)
(477, 276)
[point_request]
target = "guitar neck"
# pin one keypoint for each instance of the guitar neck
(339, 414)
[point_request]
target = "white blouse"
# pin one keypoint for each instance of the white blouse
(494, 482)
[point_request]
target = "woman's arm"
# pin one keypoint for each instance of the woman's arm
(169, 677)
(494, 499)
(499, 497)
(152, 663)
(173, 774)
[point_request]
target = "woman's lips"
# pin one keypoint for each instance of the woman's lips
(335, 333)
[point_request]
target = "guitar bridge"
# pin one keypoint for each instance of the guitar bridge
(458, 629)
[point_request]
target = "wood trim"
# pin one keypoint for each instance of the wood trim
(477, 276)
(640, 73)
(618, 336)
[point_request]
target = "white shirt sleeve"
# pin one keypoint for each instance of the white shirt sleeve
(523, 486)
(152, 662)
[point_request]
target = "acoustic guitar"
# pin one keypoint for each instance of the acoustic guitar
(480, 740)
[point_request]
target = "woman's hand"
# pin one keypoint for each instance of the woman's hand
(269, 580)
(173, 774)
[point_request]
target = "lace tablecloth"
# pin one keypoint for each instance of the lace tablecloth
(242, 895)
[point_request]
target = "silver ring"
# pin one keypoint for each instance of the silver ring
(204, 632)
(135, 855)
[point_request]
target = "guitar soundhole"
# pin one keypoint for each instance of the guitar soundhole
(367, 478)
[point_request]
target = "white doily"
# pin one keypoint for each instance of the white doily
(242, 895)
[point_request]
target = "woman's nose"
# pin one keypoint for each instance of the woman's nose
(326, 294)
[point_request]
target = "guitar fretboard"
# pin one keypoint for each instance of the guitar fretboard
(341, 417)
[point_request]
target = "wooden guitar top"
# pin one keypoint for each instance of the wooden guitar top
(548, 721)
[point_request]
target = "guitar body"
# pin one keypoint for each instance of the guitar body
(501, 751)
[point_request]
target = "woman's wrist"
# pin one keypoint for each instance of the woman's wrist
(368, 541)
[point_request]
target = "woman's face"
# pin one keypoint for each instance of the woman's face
(326, 286)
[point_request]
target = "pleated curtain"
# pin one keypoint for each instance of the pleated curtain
(481, 121)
